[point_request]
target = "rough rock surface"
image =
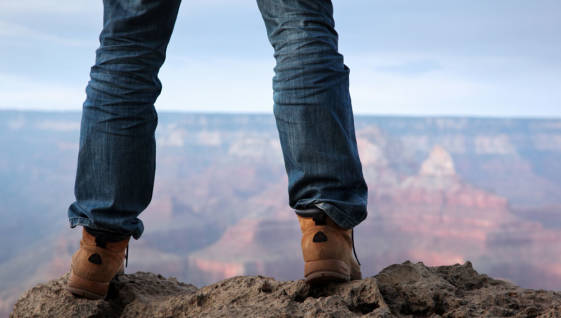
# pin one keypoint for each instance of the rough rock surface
(405, 290)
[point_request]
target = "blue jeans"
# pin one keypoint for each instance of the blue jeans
(312, 108)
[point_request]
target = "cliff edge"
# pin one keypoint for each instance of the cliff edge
(404, 290)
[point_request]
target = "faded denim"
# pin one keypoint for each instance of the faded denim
(312, 108)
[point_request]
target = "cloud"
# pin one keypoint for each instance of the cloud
(216, 84)
(481, 86)
(388, 93)
(48, 6)
(21, 34)
(458, 86)
(26, 93)
(411, 67)
(405, 58)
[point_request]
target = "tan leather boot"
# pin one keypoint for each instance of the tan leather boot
(327, 250)
(94, 265)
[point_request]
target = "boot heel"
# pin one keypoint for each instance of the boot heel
(86, 288)
(327, 270)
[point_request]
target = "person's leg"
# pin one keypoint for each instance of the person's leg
(314, 118)
(313, 111)
(116, 160)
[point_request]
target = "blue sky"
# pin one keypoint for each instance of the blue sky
(468, 57)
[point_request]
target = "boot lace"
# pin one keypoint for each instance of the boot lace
(353, 242)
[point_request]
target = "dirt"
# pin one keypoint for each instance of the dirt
(404, 290)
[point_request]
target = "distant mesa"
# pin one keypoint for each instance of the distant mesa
(438, 185)
(437, 172)
(438, 164)
(371, 154)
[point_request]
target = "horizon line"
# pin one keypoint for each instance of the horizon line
(357, 114)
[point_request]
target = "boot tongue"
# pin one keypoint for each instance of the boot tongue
(100, 242)
(118, 246)
(320, 219)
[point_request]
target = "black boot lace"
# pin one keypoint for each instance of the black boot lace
(353, 241)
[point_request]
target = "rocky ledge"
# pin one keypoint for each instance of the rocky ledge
(405, 290)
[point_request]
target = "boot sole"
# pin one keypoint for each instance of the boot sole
(84, 293)
(330, 270)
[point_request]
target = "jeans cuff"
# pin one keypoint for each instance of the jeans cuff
(307, 213)
(106, 236)
(92, 229)
(338, 216)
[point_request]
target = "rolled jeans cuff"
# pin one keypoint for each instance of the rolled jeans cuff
(338, 216)
(80, 221)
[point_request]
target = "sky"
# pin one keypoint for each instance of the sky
(441, 58)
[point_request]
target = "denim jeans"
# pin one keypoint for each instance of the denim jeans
(312, 108)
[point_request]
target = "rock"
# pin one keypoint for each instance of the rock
(127, 293)
(415, 290)
(405, 290)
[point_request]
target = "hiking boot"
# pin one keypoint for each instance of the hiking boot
(94, 265)
(328, 250)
